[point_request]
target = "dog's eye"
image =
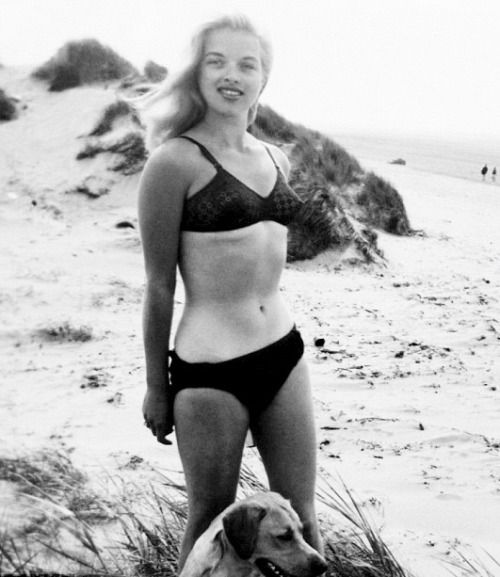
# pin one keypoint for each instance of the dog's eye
(286, 536)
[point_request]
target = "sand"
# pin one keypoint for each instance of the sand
(406, 386)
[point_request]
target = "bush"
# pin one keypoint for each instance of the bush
(131, 147)
(65, 332)
(117, 109)
(154, 72)
(273, 126)
(8, 109)
(83, 62)
(384, 207)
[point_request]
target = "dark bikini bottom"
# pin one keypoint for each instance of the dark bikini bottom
(254, 379)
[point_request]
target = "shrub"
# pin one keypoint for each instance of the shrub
(384, 207)
(131, 147)
(117, 109)
(7, 107)
(65, 332)
(154, 72)
(273, 126)
(83, 62)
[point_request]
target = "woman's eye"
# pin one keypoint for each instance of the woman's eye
(285, 536)
(215, 61)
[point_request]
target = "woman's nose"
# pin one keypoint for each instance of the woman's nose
(231, 73)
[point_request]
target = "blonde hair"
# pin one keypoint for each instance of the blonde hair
(179, 102)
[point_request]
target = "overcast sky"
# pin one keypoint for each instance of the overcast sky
(405, 66)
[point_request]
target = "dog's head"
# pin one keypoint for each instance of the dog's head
(265, 531)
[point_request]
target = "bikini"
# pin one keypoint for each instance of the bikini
(226, 203)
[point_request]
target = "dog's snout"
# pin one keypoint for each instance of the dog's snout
(318, 566)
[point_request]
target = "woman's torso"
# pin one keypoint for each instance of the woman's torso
(231, 276)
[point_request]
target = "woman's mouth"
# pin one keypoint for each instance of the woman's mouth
(230, 93)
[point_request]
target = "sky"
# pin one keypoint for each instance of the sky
(429, 67)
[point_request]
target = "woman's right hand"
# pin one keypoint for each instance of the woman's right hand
(157, 409)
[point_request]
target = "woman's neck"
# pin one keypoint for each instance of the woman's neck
(225, 132)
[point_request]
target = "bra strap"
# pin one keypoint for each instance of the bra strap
(208, 155)
(272, 157)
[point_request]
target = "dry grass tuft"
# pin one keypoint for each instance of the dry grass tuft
(149, 520)
(155, 72)
(115, 110)
(130, 147)
(65, 332)
(51, 475)
(8, 109)
(384, 207)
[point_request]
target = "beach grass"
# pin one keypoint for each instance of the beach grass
(65, 331)
(8, 109)
(115, 110)
(139, 531)
(82, 62)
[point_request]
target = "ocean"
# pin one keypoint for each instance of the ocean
(461, 158)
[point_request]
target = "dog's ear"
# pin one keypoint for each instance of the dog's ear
(241, 526)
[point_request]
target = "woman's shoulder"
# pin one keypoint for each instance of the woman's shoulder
(176, 159)
(173, 153)
(279, 156)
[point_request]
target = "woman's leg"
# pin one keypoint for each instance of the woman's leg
(285, 436)
(211, 427)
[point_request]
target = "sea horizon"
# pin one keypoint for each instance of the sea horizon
(449, 155)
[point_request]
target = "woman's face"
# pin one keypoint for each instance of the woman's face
(231, 76)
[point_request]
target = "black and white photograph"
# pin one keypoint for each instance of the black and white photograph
(250, 290)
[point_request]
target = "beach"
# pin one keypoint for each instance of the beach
(406, 385)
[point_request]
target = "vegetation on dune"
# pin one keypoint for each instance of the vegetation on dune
(155, 72)
(146, 523)
(50, 474)
(383, 205)
(83, 62)
(116, 110)
(64, 332)
(130, 147)
(8, 109)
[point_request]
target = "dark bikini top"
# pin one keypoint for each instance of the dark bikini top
(226, 203)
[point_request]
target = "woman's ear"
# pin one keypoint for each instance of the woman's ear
(241, 526)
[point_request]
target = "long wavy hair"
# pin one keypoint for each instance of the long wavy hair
(178, 105)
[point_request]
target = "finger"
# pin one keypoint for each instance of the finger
(163, 441)
(161, 435)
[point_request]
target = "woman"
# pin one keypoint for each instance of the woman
(214, 201)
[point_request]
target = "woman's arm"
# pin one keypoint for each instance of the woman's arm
(161, 196)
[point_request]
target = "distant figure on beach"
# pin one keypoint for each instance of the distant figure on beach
(484, 171)
(494, 174)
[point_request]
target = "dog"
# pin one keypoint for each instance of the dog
(258, 536)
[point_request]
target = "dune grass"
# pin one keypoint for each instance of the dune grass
(138, 532)
(64, 332)
(83, 62)
(384, 206)
(146, 523)
(154, 72)
(130, 147)
(8, 109)
(116, 110)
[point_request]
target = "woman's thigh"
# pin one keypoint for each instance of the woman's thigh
(285, 436)
(211, 427)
